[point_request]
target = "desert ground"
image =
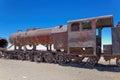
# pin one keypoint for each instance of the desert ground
(25, 70)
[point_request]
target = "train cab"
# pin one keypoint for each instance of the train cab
(82, 37)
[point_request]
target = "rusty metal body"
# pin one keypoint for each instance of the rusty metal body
(56, 36)
(59, 35)
(81, 38)
(107, 49)
(31, 37)
(116, 40)
(78, 40)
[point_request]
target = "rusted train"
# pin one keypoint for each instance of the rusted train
(72, 42)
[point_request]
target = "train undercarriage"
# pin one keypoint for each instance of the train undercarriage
(58, 57)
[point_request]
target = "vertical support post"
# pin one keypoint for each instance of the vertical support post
(68, 50)
(100, 35)
(20, 48)
(69, 30)
(34, 47)
(25, 48)
(15, 47)
(99, 41)
(94, 28)
(47, 47)
(50, 47)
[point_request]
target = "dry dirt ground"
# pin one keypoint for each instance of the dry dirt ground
(25, 70)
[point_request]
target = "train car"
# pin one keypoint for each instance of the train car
(72, 42)
(82, 39)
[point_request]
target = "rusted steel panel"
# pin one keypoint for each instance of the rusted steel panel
(32, 37)
(16, 38)
(107, 49)
(116, 40)
(39, 36)
(60, 40)
(60, 29)
(82, 39)
(79, 50)
(59, 35)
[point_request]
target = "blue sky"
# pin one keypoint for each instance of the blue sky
(23, 14)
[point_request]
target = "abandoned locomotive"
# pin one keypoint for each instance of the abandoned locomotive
(72, 42)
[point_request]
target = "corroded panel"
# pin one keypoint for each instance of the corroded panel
(60, 40)
(82, 39)
(80, 50)
(85, 37)
(59, 36)
(31, 37)
(116, 40)
(107, 49)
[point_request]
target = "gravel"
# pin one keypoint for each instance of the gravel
(25, 70)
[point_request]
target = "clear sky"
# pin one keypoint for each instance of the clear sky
(23, 14)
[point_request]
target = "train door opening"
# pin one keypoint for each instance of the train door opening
(103, 40)
(106, 40)
(98, 40)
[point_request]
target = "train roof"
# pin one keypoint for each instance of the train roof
(102, 21)
(59, 29)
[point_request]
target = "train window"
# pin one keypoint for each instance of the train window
(75, 27)
(86, 25)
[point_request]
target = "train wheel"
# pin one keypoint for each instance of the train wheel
(15, 55)
(48, 57)
(27, 56)
(92, 61)
(5, 55)
(38, 58)
(118, 62)
(62, 59)
(79, 59)
(30, 57)
(56, 58)
(22, 56)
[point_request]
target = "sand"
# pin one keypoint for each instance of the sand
(25, 70)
